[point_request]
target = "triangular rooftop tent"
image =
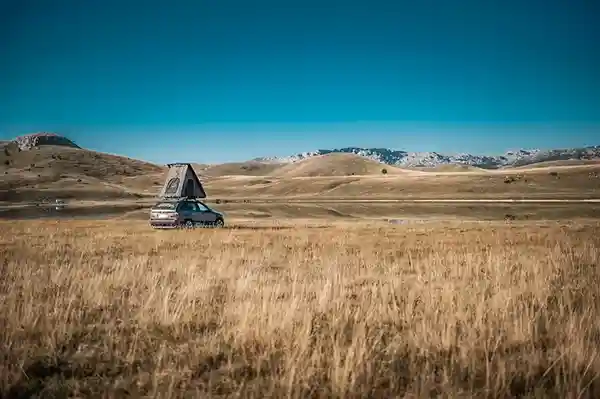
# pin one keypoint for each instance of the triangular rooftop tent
(181, 182)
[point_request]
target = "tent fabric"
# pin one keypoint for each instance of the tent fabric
(181, 182)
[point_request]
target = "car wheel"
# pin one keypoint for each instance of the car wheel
(219, 223)
(188, 224)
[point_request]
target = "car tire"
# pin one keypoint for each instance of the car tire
(188, 224)
(219, 223)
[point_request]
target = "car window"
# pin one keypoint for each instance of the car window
(202, 207)
(189, 207)
(185, 207)
(172, 186)
(164, 205)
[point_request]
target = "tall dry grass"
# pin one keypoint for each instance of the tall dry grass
(473, 310)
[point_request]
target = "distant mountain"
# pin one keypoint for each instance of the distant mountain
(433, 159)
(384, 155)
(34, 140)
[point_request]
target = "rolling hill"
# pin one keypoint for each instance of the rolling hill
(67, 172)
(560, 163)
(452, 168)
(250, 168)
(35, 170)
(336, 165)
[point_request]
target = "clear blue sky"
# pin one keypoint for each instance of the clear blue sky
(219, 80)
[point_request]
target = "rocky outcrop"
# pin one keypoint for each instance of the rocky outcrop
(30, 141)
(9, 148)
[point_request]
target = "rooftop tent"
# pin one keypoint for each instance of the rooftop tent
(182, 181)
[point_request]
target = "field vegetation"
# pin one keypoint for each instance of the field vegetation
(456, 309)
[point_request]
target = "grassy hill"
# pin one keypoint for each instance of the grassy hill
(560, 163)
(70, 173)
(554, 184)
(63, 172)
(451, 168)
(336, 164)
(250, 168)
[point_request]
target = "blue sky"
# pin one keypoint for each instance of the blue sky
(225, 80)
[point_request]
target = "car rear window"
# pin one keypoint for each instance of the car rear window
(164, 205)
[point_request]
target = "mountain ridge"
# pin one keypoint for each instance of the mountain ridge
(398, 158)
(521, 157)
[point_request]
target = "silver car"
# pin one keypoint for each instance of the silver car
(170, 214)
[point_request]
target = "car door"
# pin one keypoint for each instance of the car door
(194, 213)
(186, 211)
(205, 213)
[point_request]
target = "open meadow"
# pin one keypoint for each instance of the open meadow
(321, 309)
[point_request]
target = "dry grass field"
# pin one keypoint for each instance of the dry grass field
(92, 308)
(288, 210)
(570, 183)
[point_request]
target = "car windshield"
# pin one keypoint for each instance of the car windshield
(164, 205)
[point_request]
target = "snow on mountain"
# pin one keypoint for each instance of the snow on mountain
(431, 159)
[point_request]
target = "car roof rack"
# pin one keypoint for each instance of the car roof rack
(178, 199)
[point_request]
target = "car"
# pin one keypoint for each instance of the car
(184, 213)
